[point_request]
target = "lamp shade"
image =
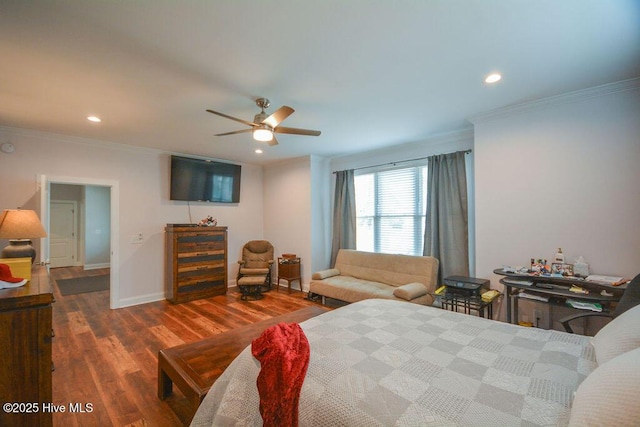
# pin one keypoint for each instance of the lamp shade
(20, 224)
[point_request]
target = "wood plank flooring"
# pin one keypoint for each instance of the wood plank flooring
(106, 360)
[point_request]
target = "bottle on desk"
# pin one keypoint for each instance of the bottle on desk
(559, 258)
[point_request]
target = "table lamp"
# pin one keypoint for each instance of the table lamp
(20, 226)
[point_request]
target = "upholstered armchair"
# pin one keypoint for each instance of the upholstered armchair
(254, 271)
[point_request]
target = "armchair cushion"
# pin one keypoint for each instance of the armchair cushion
(257, 254)
(410, 291)
(254, 271)
(619, 336)
(323, 274)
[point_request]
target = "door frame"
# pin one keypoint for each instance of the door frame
(76, 230)
(45, 182)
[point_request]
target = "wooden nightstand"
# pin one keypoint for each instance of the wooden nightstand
(289, 270)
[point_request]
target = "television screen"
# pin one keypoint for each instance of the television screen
(204, 180)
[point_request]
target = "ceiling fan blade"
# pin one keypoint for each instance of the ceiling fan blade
(233, 118)
(273, 141)
(234, 132)
(296, 131)
(278, 116)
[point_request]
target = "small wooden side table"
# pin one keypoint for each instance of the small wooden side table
(289, 270)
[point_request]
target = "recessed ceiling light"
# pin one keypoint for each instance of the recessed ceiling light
(258, 151)
(493, 78)
(94, 119)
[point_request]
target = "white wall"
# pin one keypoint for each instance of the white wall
(144, 206)
(321, 213)
(97, 226)
(561, 172)
(287, 207)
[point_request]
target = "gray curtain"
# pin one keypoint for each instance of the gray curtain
(344, 214)
(446, 232)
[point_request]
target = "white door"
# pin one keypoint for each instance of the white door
(63, 235)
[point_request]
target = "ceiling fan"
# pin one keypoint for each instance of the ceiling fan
(265, 126)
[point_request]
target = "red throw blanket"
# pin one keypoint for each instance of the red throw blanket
(283, 352)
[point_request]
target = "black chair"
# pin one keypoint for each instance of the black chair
(630, 298)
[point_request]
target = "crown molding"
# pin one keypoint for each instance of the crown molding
(565, 98)
(69, 139)
(57, 137)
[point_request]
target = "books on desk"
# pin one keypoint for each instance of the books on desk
(608, 280)
(534, 297)
(518, 282)
(583, 305)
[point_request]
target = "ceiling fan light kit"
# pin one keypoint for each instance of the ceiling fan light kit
(264, 126)
(262, 134)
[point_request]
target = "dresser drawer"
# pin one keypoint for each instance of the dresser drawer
(204, 246)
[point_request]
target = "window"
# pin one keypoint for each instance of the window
(391, 208)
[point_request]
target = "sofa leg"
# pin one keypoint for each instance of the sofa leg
(324, 300)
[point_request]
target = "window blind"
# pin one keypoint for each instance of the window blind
(390, 210)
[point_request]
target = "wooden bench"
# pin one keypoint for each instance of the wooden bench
(194, 367)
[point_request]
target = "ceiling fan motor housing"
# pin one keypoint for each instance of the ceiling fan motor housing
(258, 118)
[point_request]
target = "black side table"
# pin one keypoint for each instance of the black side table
(454, 301)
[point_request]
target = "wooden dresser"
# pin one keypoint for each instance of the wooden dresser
(25, 352)
(196, 262)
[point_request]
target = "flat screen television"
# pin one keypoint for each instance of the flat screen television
(204, 180)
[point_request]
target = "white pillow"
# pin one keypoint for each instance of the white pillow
(620, 335)
(609, 395)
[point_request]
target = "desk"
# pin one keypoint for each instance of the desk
(557, 294)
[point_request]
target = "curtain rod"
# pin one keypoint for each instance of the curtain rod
(402, 161)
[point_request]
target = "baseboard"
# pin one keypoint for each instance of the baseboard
(143, 299)
(96, 266)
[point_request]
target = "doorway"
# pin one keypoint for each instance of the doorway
(111, 234)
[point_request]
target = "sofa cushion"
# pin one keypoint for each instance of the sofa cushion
(323, 274)
(410, 291)
(394, 270)
(608, 396)
(351, 289)
(620, 335)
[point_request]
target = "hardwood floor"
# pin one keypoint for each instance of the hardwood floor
(106, 360)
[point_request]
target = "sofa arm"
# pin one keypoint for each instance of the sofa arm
(323, 274)
(410, 291)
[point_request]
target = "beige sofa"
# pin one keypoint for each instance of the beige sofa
(361, 275)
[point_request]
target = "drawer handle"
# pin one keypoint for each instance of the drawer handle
(203, 268)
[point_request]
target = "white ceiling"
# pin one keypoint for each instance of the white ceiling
(367, 73)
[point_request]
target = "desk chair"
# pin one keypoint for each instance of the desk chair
(630, 298)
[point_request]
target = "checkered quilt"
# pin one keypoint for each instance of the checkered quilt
(386, 363)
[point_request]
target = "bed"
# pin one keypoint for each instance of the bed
(385, 363)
